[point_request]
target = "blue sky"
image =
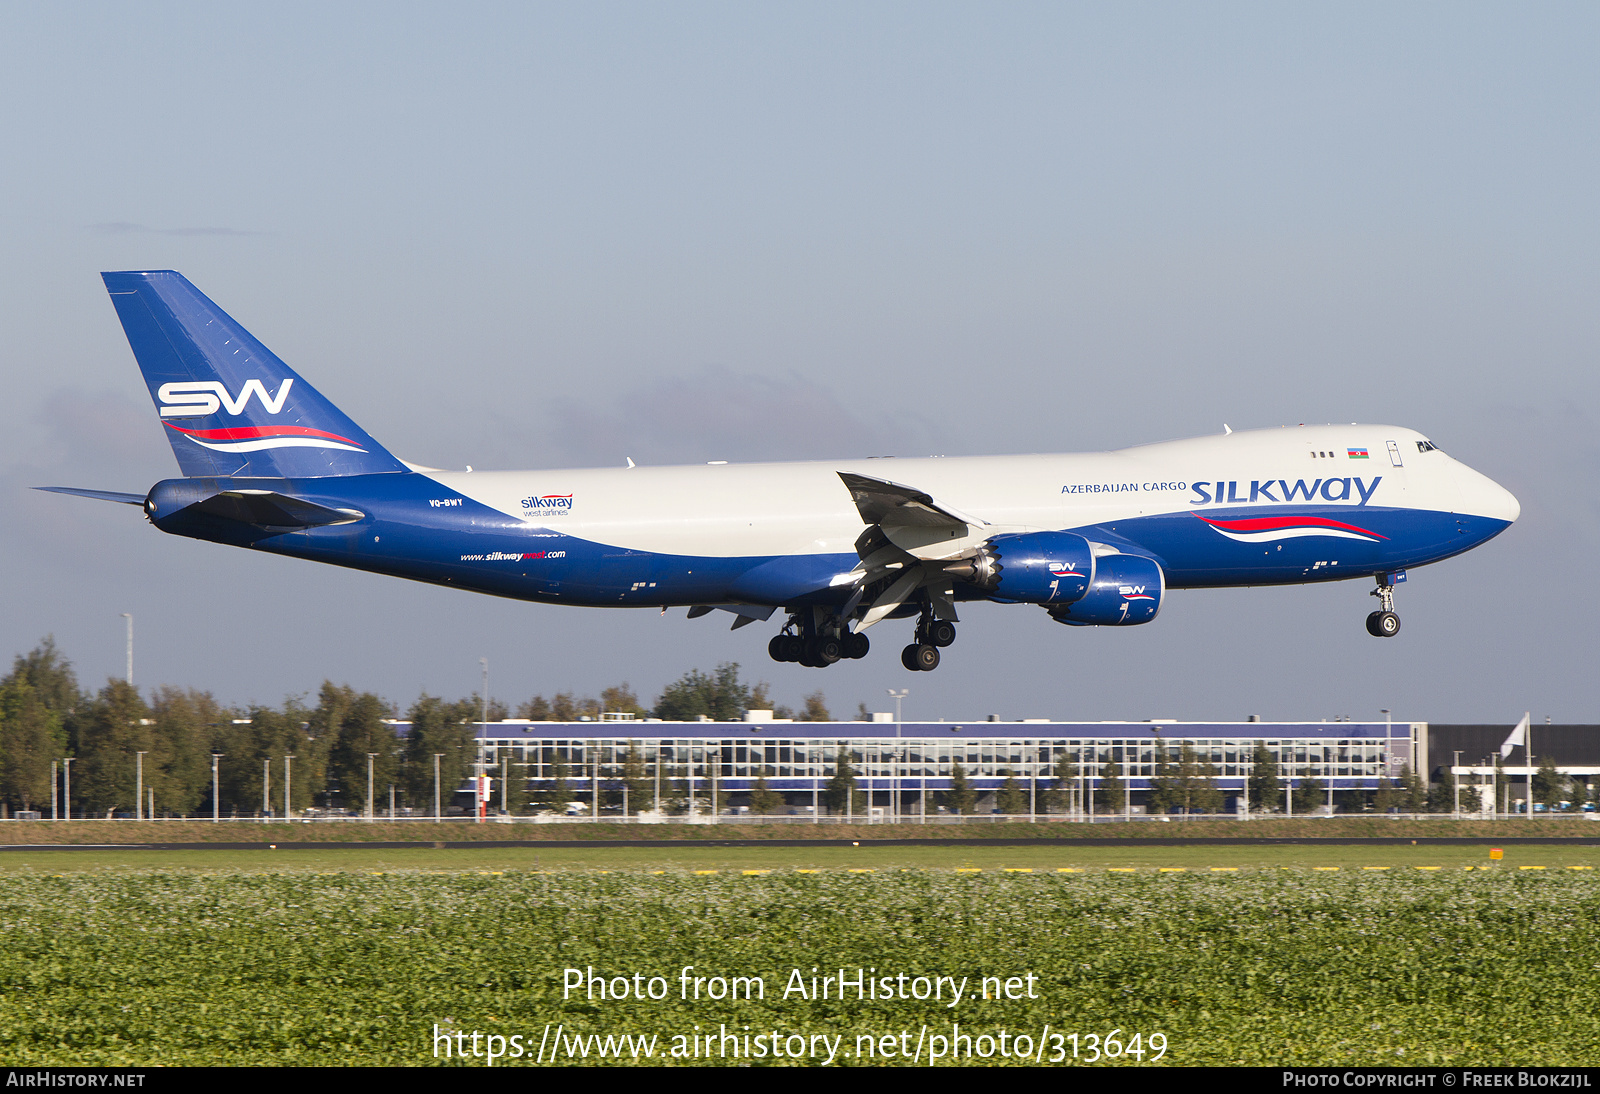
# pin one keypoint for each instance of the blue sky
(532, 235)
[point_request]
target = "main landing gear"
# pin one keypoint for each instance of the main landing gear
(816, 640)
(932, 635)
(1383, 623)
(826, 642)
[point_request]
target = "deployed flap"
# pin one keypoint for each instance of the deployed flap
(747, 613)
(273, 510)
(98, 495)
(893, 505)
(895, 595)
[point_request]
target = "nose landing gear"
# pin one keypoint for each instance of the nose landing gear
(1383, 623)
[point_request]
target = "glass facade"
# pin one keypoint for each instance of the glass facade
(799, 758)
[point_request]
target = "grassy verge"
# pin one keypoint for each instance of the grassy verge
(1280, 967)
(356, 858)
(123, 832)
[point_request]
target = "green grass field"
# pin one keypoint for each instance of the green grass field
(1575, 827)
(292, 960)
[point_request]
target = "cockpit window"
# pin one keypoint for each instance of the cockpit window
(1426, 446)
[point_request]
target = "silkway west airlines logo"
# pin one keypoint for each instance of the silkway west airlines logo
(1268, 529)
(200, 398)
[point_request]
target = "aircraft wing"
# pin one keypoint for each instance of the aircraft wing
(891, 505)
(907, 540)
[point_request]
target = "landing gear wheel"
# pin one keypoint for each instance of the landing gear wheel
(926, 656)
(908, 657)
(856, 646)
(775, 648)
(1384, 623)
(941, 632)
(794, 647)
(828, 651)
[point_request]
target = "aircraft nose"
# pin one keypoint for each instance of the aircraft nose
(1482, 496)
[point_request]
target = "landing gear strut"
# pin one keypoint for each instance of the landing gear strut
(1383, 623)
(932, 634)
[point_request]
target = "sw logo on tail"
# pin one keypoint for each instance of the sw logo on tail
(198, 398)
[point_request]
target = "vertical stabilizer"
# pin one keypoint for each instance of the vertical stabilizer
(229, 406)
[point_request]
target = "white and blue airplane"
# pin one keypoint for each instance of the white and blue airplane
(1095, 539)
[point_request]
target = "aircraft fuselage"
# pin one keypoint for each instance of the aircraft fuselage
(1263, 507)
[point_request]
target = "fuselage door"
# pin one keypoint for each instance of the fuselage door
(1394, 454)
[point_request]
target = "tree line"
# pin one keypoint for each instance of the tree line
(337, 752)
(325, 755)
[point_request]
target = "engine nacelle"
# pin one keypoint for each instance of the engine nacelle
(1125, 592)
(1031, 567)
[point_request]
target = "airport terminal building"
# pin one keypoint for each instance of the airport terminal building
(902, 768)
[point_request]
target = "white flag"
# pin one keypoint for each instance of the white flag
(1519, 736)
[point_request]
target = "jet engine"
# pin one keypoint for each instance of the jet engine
(1125, 591)
(1031, 567)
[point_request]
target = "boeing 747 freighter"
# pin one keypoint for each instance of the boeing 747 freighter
(836, 547)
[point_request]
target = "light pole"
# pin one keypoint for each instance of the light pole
(138, 793)
(287, 800)
(898, 697)
(1033, 787)
(479, 799)
(1127, 786)
(1527, 754)
(1387, 733)
(55, 809)
(266, 779)
(370, 757)
(1244, 787)
(1455, 778)
(66, 788)
(129, 617)
(436, 758)
(1091, 783)
(216, 799)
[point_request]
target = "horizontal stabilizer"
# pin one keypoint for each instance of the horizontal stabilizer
(272, 510)
(98, 495)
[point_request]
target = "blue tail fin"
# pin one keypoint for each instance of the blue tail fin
(230, 407)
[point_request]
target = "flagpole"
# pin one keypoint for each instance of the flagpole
(1521, 734)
